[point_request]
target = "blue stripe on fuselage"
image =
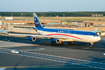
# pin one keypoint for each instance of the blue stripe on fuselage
(69, 31)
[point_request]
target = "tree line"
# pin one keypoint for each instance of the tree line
(51, 14)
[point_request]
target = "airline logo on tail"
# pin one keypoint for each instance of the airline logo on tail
(36, 22)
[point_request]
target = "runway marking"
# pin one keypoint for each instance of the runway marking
(55, 58)
(28, 44)
(36, 66)
(41, 48)
(3, 68)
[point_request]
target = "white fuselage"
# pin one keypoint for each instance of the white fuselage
(72, 37)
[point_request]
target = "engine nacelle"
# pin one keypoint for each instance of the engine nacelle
(55, 40)
(32, 38)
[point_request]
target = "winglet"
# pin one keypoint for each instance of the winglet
(34, 15)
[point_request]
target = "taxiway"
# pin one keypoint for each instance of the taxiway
(42, 55)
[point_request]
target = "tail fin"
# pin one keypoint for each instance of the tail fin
(37, 23)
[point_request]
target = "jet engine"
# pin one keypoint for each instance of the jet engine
(55, 40)
(32, 38)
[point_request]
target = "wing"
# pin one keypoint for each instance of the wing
(37, 36)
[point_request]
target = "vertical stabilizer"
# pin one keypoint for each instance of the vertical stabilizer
(37, 23)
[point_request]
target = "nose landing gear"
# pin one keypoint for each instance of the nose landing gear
(91, 46)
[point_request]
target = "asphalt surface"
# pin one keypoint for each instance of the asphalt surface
(41, 55)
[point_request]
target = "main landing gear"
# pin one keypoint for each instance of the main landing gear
(71, 42)
(61, 42)
(53, 43)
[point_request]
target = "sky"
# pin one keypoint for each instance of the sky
(51, 5)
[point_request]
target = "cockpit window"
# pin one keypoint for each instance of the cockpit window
(96, 35)
(93, 34)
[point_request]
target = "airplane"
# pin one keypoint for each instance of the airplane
(59, 36)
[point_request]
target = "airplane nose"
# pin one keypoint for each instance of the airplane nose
(98, 38)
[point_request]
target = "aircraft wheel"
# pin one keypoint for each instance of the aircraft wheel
(61, 42)
(53, 43)
(71, 42)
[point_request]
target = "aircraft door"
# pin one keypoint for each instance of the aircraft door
(28, 30)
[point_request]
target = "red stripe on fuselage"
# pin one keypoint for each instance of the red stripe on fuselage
(65, 35)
